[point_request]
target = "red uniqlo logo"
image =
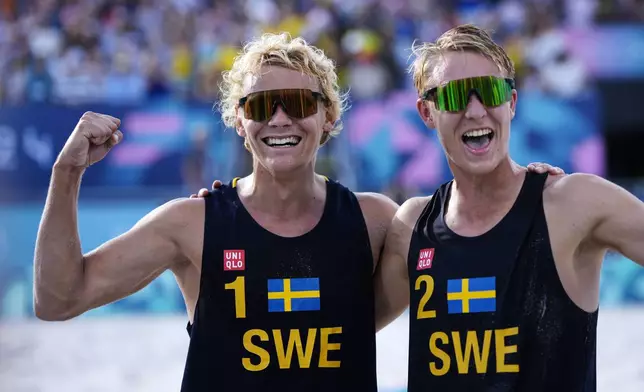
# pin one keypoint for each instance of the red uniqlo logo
(234, 260)
(425, 259)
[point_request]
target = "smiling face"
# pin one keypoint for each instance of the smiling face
(475, 139)
(283, 143)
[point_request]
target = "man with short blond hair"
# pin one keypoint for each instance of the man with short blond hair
(502, 264)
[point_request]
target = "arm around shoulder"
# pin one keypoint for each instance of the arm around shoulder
(391, 278)
(378, 211)
(377, 208)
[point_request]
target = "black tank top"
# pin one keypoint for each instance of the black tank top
(489, 313)
(283, 314)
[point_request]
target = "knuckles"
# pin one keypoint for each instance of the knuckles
(90, 120)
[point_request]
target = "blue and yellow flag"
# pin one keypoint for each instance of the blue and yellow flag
(294, 294)
(473, 295)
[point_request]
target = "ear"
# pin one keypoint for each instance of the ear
(327, 127)
(326, 133)
(425, 113)
(513, 103)
(239, 126)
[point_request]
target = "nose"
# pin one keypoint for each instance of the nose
(475, 108)
(280, 118)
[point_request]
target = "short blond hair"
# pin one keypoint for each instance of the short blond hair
(468, 38)
(291, 53)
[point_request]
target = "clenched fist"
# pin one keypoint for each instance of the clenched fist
(94, 136)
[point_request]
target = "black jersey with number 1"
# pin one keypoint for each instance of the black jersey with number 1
(283, 314)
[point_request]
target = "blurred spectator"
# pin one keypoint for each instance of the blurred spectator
(38, 84)
(75, 51)
(197, 168)
(15, 82)
(558, 72)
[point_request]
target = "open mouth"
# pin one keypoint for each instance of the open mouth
(282, 142)
(478, 139)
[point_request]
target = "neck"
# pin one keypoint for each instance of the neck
(481, 194)
(284, 196)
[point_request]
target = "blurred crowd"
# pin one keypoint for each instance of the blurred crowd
(126, 51)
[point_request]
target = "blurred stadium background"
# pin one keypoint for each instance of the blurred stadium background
(156, 64)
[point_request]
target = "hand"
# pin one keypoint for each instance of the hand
(203, 192)
(539, 167)
(94, 136)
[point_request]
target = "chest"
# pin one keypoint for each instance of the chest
(479, 220)
(470, 279)
(326, 257)
(459, 280)
(291, 225)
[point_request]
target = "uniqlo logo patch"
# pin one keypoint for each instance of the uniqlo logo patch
(425, 258)
(234, 260)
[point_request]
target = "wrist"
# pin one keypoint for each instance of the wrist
(65, 169)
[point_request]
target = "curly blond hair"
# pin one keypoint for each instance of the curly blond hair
(292, 53)
(468, 38)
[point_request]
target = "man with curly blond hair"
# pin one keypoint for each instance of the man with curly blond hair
(276, 268)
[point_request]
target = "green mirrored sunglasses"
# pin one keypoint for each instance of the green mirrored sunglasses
(455, 95)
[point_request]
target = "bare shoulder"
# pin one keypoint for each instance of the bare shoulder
(552, 180)
(378, 211)
(578, 188)
(178, 213)
(380, 208)
(402, 225)
(183, 222)
(580, 202)
(374, 198)
(376, 205)
(179, 219)
(410, 211)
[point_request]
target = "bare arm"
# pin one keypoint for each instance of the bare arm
(68, 283)
(618, 216)
(55, 283)
(391, 278)
(378, 211)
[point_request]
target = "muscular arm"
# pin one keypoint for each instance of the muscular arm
(378, 211)
(391, 278)
(618, 216)
(68, 283)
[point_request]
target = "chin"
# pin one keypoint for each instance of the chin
(286, 157)
(480, 167)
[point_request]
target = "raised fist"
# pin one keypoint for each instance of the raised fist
(94, 136)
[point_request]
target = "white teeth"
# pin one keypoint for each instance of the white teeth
(281, 141)
(478, 132)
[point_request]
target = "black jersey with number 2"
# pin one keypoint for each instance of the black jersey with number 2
(489, 313)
